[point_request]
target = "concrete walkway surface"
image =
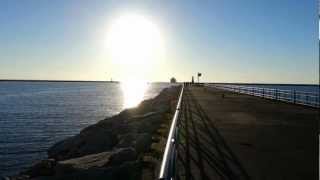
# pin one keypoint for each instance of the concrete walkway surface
(225, 135)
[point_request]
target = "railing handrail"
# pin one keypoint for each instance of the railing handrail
(294, 96)
(266, 88)
(170, 141)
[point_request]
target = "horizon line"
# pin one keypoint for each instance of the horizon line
(108, 81)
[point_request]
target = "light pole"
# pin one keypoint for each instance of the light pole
(199, 74)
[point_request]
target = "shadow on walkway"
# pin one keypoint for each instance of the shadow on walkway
(202, 151)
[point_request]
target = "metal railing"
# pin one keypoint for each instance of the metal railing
(167, 169)
(291, 96)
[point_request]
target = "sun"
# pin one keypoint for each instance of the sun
(134, 41)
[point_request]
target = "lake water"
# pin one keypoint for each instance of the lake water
(35, 115)
(301, 88)
(301, 94)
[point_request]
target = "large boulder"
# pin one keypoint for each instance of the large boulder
(99, 166)
(42, 168)
(146, 123)
(129, 170)
(89, 141)
(99, 160)
(122, 155)
(139, 141)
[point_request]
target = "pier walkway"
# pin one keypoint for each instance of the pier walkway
(225, 135)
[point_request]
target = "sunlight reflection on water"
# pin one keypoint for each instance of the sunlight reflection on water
(133, 92)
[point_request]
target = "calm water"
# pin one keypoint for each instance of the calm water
(35, 115)
(302, 88)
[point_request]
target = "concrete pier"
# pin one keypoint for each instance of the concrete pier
(225, 135)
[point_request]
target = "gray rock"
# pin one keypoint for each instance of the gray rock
(125, 171)
(104, 165)
(122, 155)
(86, 167)
(126, 140)
(140, 142)
(149, 124)
(89, 141)
(143, 142)
(42, 168)
(20, 177)
(85, 162)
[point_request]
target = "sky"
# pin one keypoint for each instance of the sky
(250, 41)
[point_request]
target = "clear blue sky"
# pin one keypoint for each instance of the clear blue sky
(271, 41)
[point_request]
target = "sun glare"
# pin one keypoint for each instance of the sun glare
(134, 40)
(133, 92)
(135, 47)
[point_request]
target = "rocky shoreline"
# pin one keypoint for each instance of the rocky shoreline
(127, 146)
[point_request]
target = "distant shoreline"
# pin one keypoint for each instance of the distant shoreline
(87, 81)
(237, 83)
(34, 80)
